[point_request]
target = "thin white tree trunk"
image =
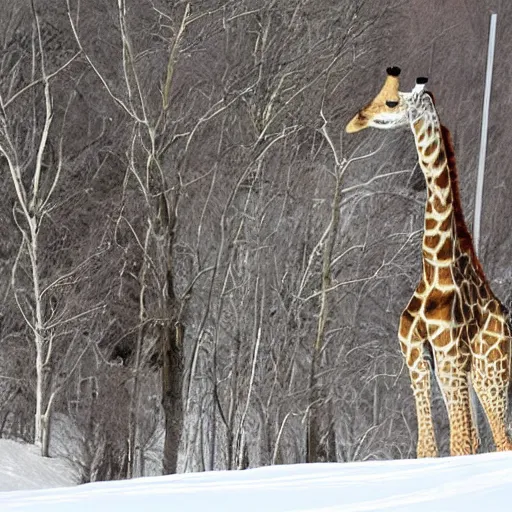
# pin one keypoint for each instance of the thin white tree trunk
(41, 356)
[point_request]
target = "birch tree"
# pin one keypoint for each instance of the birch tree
(34, 164)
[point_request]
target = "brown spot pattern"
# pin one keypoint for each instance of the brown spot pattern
(431, 148)
(430, 223)
(443, 180)
(446, 251)
(432, 241)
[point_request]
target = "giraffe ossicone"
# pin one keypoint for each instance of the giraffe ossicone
(453, 319)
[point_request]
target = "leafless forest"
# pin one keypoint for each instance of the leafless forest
(199, 270)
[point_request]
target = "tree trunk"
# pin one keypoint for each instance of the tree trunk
(313, 447)
(38, 436)
(40, 342)
(172, 379)
(134, 399)
(321, 438)
(45, 439)
(317, 451)
(171, 339)
(213, 438)
(44, 400)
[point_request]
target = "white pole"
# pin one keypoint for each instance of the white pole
(483, 137)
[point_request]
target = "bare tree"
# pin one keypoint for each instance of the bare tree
(32, 146)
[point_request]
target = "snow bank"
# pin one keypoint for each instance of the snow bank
(473, 483)
(22, 468)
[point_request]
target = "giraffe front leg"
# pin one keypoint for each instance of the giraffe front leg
(421, 387)
(413, 345)
(452, 374)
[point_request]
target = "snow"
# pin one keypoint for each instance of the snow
(21, 467)
(472, 483)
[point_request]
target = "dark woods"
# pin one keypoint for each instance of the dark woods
(198, 270)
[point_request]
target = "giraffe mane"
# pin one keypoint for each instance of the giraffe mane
(463, 234)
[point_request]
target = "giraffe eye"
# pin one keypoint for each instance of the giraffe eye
(391, 104)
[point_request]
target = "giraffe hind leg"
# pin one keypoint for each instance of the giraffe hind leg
(490, 378)
(473, 405)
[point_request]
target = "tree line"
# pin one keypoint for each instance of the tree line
(198, 271)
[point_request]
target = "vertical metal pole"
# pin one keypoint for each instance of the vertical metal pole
(483, 137)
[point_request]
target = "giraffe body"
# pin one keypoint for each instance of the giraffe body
(453, 313)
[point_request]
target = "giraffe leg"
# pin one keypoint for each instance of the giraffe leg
(475, 438)
(493, 397)
(490, 377)
(413, 346)
(421, 387)
(452, 373)
(454, 386)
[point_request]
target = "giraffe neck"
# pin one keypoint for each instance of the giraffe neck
(446, 235)
(439, 233)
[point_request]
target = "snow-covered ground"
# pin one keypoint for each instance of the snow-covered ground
(475, 483)
(22, 468)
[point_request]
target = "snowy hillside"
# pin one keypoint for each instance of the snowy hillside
(22, 468)
(473, 483)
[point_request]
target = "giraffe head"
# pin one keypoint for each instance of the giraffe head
(392, 108)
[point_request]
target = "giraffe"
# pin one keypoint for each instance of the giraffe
(453, 318)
